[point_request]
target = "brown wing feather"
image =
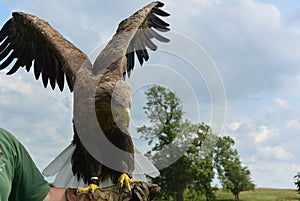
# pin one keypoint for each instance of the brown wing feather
(33, 42)
(133, 35)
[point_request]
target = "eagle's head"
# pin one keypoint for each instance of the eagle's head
(121, 103)
(112, 104)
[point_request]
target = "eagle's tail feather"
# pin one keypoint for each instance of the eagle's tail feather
(65, 178)
(60, 161)
(143, 167)
(61, 167)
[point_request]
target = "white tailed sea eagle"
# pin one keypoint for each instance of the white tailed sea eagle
(102, 146)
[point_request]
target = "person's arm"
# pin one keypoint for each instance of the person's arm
(56, 194)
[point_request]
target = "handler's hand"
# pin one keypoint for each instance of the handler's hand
(144, 191)
(141, 192)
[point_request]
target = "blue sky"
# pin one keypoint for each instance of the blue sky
(253, 46)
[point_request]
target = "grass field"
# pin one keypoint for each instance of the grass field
(261, 194)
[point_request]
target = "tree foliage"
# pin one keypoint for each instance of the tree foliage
(164, 110)
(232, 174)
(193, 153)
(297, 181)
(168, 128)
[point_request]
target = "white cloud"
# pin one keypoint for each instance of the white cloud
(38, 117)
(234, 126)
(263, 133)
(276, 173)
(13, 83)
(252, 35)
(276, 152)
(282, 103)
(294, 123)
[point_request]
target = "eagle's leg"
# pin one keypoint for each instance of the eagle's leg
(124, 179)
(91, 187)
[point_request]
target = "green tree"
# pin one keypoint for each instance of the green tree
(232, 174)
(193, 151)
(202, 156)
(164, 111)
(190, 167)
(297, 181)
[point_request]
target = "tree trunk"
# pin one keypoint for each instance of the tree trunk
(178, 183)
(179, 195)
(207, 197)
(178, 186)
(237, 197)
(179, 189)
(207, 193)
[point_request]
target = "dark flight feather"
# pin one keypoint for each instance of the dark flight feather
(34, 43)
(133, 32)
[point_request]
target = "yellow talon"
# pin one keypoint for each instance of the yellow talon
(90, 189)
(124, 179)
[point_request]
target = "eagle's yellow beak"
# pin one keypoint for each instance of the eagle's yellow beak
(127, 113)
(121, 116)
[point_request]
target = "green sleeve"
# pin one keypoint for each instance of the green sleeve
(27, 183)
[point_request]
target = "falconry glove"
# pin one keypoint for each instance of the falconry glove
(140, 192)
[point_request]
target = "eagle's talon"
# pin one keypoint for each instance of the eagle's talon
(125, 179)
(90, 189)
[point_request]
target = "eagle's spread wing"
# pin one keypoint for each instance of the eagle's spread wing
(33, 42)
(133, 35)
